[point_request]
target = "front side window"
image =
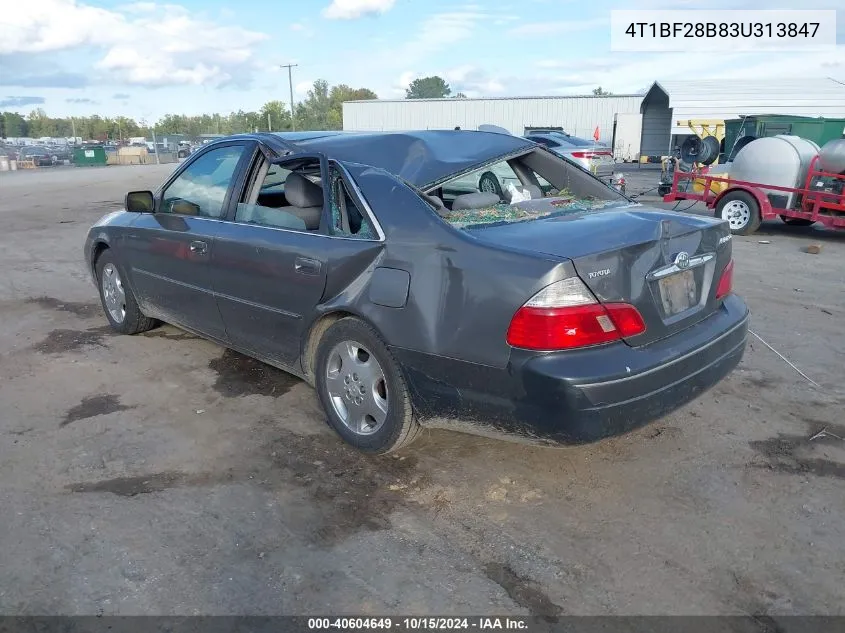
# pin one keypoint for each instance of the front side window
(201, 189)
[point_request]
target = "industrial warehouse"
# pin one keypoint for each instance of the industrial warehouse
(639, 127)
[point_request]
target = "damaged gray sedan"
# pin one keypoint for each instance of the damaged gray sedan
(377, 268)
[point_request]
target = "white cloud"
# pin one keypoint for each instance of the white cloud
(144, 43)
(472, 81)
(140, 7)
(352, 9)
(625, 73)
(303, 87)
(437, 32)
(558, 28)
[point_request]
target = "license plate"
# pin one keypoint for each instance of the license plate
(678, 292)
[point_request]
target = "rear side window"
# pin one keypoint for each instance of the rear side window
(347, 217)
(579, 142)
(544, 141)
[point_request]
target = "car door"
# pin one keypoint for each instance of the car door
(169, 251)
(271, 269)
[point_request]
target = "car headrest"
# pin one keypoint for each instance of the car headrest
(301, 192)
(437, 202)
(478, 200)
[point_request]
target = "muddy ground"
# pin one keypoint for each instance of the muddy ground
(160, 474)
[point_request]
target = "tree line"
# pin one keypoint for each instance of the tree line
(322, 109)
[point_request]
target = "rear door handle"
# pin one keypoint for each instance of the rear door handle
(306, 266)
(200, 248)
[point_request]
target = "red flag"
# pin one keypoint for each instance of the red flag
(596, 133)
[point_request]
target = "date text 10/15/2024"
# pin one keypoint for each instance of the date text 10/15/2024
(419, 624)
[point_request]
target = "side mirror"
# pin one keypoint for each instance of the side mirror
(140, 202)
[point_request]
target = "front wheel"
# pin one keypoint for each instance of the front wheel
(117, 298)
(741, 211)
(362, 390)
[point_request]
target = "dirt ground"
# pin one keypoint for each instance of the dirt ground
(160, 474)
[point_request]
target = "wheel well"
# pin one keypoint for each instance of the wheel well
(728, 192)
(315, 333)
(99, 249)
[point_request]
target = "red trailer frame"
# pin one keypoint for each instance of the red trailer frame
(813, 206)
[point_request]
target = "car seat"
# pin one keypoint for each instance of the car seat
(305, 198)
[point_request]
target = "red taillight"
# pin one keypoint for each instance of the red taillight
(590, 154)
(577, 320)
(726, 282)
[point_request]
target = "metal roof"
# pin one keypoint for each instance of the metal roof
(734, 98)
(512, 98)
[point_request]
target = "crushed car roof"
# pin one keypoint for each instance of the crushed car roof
(423, 158)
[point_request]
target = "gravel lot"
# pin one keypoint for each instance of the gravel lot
(160, 474)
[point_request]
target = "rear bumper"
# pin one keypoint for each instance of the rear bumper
(581, 396)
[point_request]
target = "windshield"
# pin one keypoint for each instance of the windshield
(530, 186)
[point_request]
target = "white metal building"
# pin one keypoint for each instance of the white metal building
(643, 124)
(577, 115)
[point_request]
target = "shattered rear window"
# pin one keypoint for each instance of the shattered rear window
(504, 213)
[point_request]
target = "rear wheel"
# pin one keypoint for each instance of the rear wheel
(796, 221)
(362, 389)
(741, 211)
(118, 300)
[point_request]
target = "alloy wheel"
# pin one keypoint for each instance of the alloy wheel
(357, 387)
(114, 296)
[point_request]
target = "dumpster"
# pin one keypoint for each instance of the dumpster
(816, 129)
(89, 155)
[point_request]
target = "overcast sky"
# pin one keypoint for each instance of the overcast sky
(145, 59)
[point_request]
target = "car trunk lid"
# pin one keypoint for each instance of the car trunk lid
(665, 264)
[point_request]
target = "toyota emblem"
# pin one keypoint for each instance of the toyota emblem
(682, 260)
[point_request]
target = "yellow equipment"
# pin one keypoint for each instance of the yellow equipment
(706, 127)
(703, 128)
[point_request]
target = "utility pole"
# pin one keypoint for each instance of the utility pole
(290, 84)
(269, 125)
(155, 146)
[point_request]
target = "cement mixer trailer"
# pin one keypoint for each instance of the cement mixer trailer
(779, 176)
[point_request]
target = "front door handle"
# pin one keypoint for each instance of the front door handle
(200, 248)
(306, 266)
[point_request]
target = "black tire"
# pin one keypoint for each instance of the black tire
(134, 321)
(400, 427)
(754, 219)
(796, 221)
(489, 183)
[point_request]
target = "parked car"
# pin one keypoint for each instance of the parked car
(39, 154)
(351, 261)
(9, 152)
(592, 156)
(60, 153)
